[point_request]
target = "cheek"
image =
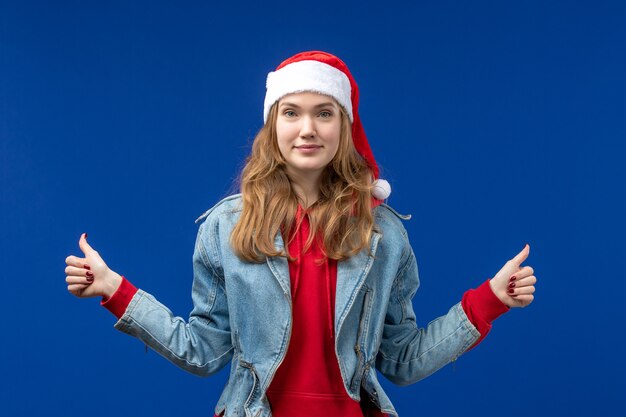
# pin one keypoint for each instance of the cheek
(282, 147)
(334, 134)
(280, 138)
(285, 133)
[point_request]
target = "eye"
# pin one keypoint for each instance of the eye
(325, 114)
(289, 113)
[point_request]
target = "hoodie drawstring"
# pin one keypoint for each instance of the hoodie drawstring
(299, 254)
(329, 299)
(298, 241)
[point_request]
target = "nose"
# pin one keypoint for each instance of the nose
(307, 130)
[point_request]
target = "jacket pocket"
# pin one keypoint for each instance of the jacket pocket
(253, 390)
(360, 348)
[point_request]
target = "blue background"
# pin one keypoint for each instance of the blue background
(497, 124)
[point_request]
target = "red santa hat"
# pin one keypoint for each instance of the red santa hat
(323, 73)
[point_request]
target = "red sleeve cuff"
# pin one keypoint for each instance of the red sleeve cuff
(486, 304)
(120, 299)
(482, 307)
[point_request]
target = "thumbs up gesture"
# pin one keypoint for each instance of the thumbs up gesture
(90, 276)
(514, 284)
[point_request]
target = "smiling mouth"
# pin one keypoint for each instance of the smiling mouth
(308, 146)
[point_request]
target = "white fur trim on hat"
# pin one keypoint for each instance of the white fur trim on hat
(304, 76)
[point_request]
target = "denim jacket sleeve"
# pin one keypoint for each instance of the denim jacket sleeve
(202, 345)
(408, 353)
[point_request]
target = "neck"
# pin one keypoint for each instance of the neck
(306, 187)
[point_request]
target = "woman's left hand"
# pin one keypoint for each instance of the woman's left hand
(514, 284)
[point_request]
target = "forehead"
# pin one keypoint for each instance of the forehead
(308, 99)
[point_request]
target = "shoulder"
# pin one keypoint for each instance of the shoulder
(225, 207)
(388, 219)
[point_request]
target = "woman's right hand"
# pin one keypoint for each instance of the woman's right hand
(90, 276)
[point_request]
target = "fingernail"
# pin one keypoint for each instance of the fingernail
(86, 266)
(85, 235)
(89, 279)
(89, 274)
(513, 278)
(510, 290)
(512, 285)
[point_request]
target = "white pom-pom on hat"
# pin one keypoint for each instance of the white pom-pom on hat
(381, 189)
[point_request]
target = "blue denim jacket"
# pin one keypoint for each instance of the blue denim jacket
(242, 315)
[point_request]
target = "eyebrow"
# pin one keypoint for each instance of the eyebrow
(288, 104)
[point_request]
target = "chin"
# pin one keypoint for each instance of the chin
(308, 168)
(309, 165)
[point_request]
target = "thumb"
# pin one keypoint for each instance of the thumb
(84, 246)
(521, 257)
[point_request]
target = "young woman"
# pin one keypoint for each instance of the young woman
(304, 281)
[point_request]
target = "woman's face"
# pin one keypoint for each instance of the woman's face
(308, 129)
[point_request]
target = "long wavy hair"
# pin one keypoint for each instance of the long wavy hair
(341, 218)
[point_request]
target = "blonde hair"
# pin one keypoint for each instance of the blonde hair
(342, 217)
